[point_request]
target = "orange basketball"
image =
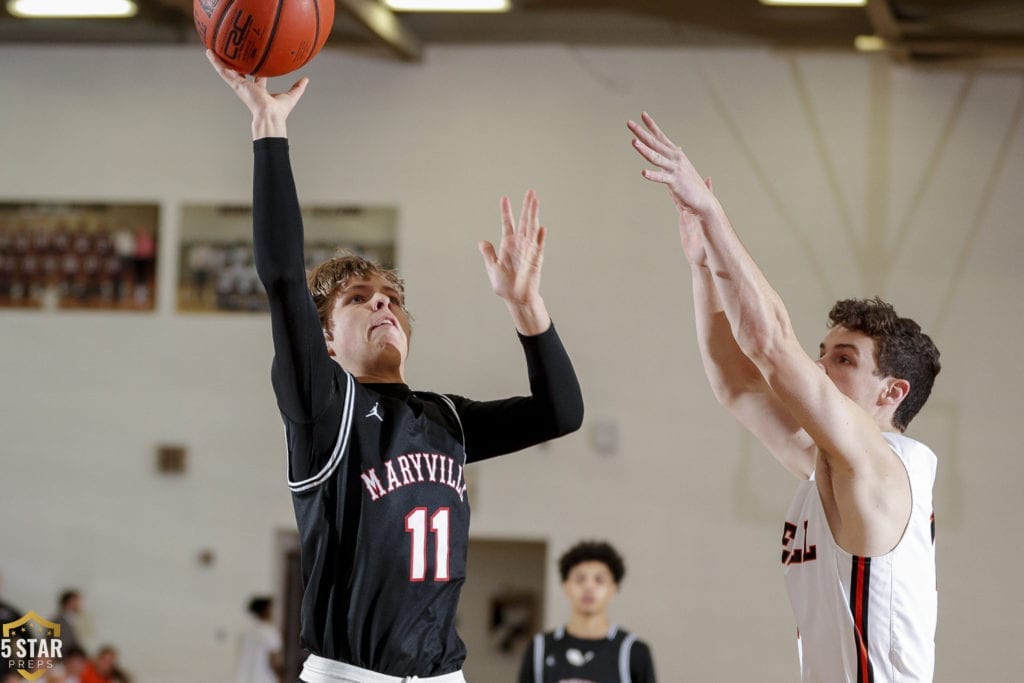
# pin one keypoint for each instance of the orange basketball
(264, 37)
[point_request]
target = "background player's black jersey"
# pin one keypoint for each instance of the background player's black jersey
(557, 657)
(376, 470)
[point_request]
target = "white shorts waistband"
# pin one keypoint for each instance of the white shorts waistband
(318, 669)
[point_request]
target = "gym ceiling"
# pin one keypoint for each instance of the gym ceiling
(986, 33)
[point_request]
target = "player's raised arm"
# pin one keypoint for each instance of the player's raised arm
(302, 368)
(871, 487)
(514, 268)
(857, 517)
(735, 380)
(555, 404)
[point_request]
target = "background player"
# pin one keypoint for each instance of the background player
(590, 648)
(858, 547)
(260, 655)
(376, 470)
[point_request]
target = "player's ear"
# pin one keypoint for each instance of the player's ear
(328, 338)
(896, 392)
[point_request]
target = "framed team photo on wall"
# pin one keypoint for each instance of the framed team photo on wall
(216, 268)
(88, 256)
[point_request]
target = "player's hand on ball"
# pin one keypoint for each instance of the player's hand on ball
(263, 104)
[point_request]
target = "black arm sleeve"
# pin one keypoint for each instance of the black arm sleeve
(304, 376)
(641, 665)
(554, 407)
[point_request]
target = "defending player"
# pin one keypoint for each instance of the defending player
(858, 545)
(376, 470)
(590, 648)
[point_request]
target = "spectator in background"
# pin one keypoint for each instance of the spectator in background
(67, 616)
(124, 248)
(74, 664)
(143, 259)
(202, 258)
(103, 668)
(261, 658)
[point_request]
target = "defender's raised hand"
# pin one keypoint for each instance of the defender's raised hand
(269, 110)
(675, 171)
(514, 267)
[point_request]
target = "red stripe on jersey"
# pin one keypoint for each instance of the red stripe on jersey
(860, 577)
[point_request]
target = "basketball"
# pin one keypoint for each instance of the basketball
(264, 37)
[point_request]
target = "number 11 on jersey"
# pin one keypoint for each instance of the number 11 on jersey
(416, 524)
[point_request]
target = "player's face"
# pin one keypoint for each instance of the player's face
(590, 586)
(848, 358)
(369, 327)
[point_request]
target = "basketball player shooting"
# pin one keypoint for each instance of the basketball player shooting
(858, 544)
(375, 469)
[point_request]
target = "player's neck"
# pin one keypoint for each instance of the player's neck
(381, 378)
(381, 373)
(885, 424)
(589, 626)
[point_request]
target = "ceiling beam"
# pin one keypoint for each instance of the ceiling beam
(883, 20)
(992, 12)
(1006, 48)
(887, 27)
(385, 26)
(182, 6)
(916, 40)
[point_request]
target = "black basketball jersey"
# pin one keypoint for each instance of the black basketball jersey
(557, 657)
(384, 529)
(376, 470)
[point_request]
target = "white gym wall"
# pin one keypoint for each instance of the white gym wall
(844, 174)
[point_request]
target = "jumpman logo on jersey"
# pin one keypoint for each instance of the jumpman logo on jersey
(375, 412)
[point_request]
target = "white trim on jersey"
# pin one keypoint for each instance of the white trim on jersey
(339, 447)
(538, 658)
(613, 631)
(624, 651)
(458, 419)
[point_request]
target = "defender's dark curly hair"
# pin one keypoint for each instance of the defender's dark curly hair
(587, 551)
(902, 350)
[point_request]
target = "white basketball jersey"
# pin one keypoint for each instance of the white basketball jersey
(864, 619)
